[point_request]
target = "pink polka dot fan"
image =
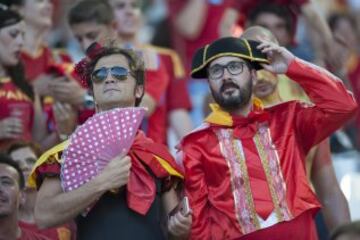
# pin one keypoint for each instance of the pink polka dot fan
(93, 144)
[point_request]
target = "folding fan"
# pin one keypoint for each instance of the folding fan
(95, 143)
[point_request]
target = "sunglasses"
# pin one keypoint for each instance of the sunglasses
(117, 72)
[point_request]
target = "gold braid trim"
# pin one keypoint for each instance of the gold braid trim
(265, 164)
(249, 197)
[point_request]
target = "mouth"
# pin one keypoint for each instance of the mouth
(262, 86)
(111, 90)
(3, 199)
(17, 54)
(229, 88)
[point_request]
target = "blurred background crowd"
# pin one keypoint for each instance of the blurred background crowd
(42, 100)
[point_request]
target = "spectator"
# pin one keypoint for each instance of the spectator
(20, 109)
(245, 173)
(25, 155)
(113, 214)
(11, 183)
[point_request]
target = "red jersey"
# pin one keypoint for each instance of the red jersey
(39, 64)
(167, 86)
(246, 175)
(15, 103)
(210, 31)
(64, 232)
(29, 235)
(354, 78)
(43, 63)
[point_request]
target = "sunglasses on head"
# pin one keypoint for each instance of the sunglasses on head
(117, 72)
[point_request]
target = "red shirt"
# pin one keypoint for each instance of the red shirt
(64, 232)
(241, 170)
(13, 102)
(210, 31)
(29, 235)
(167, 86)
(39, 64)
(354, 78)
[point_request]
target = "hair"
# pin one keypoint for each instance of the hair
(253, 32)
(8, 18)
(5, 159)
(278, 10)
(350, 228)
(333, 20)
(98, 11)
(17, 76)
(23, 144)
(95, 52)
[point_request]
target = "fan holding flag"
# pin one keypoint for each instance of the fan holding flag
(109, 176)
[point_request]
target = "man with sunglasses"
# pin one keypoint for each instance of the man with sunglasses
(245, 166)
(116, 78)
(166, 94)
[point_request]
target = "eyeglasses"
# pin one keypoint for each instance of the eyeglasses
(234, 68)
(117, 72)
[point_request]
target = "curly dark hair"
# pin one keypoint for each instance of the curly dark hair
(95, 52)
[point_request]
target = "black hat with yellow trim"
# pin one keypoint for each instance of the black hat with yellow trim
(228, 46)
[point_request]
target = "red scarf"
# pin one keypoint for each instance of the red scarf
(141, 188)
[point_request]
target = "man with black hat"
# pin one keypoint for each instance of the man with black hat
(245, 166)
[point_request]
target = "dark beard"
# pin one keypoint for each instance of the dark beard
(234, 102)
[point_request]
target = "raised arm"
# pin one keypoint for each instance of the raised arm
(335, 207)
(332, 105)
(190, 19)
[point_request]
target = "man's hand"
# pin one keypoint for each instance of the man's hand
(115, 174)
(11, 127)
(41, 84)
(65, 118)
(179, 225)
(68, 91)
(279, 57)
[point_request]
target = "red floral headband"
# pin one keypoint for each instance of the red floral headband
(82, 67)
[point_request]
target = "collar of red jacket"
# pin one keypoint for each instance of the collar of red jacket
(244, 127)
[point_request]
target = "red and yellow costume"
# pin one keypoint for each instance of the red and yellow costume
(13, 102)
(246, 177)
(141, 187)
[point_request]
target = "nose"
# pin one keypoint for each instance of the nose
(20, 40)
(227, 75)
(109, 79)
